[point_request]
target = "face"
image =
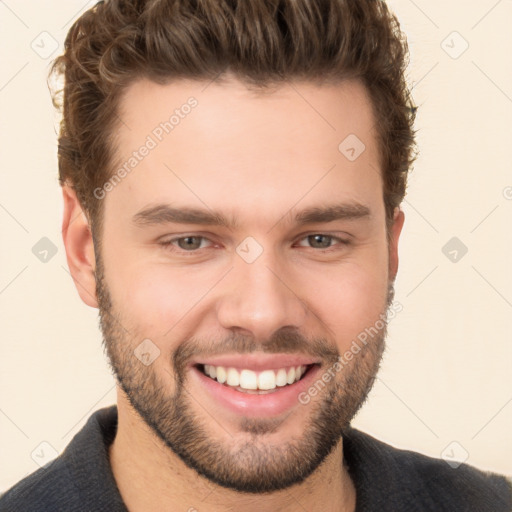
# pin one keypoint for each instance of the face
(242, 254)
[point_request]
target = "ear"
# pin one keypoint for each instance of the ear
(395, 230)
(77, 237)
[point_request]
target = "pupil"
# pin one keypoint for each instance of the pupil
(318, 238)
(188, 242)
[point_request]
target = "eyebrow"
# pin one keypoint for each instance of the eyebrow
(159, 214)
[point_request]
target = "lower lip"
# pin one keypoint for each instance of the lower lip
(266, 405)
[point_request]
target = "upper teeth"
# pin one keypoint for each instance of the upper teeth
(248, 379)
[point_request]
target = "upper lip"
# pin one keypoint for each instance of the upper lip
(257, 362)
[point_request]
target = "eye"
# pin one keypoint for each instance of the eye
(186, 243)
(194, 243)
(322, 241)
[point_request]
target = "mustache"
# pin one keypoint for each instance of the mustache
(285, 340)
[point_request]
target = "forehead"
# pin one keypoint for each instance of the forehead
(228, 147)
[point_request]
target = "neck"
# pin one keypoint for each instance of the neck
(151, 477)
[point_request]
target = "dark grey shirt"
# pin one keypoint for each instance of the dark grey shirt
(386, 479)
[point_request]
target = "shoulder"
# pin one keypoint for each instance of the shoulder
(79, 479)
(416, 480)
(49, 488)
(457, 487)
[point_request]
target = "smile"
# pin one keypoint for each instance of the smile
(249, 381)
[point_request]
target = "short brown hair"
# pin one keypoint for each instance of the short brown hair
(261, 42)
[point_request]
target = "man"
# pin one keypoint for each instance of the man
(232, 173)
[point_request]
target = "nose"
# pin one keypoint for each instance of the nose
(259, 299)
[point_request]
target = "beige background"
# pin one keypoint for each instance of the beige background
(447, 374)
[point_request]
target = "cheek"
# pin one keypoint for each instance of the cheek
(348, 299)
(159, 301)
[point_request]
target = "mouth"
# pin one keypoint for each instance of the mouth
(253, 388)
(255, 382)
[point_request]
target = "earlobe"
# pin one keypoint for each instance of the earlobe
(77, 237)
(396, 229)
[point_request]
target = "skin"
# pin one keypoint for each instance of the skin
(260, 158)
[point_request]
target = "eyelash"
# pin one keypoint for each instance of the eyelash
(169, 244)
